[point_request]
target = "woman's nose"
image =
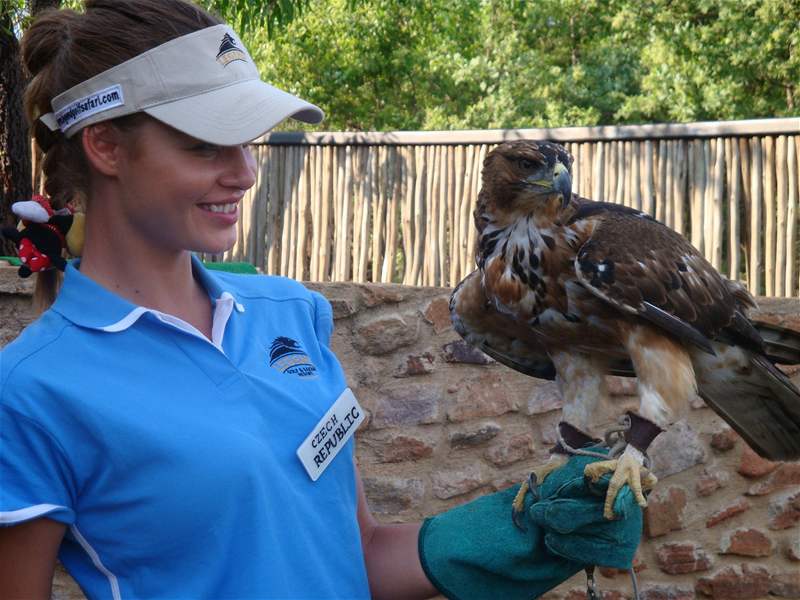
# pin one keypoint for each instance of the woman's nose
(241, 171)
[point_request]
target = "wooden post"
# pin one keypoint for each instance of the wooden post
(636, 175)
(673, 165)
(409, 185)
(619, 196)
(769, 215)
(466, 211)
(664, 189)
(734, 202)
(649, 199)
(780, 215)
(419, 216)
(756, 264)
(598, 189)
(792, 254)
(698, 185)
(444, 203)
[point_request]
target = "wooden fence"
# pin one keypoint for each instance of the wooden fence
(397, 207)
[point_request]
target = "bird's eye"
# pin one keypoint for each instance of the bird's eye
(525, 164)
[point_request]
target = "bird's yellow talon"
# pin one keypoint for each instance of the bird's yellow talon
(626, 470)
(538, 474)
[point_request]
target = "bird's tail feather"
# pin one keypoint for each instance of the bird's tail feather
(781, 345)
(762, 406)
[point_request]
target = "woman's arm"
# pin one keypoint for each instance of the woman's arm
(392, 556)
(29, 557)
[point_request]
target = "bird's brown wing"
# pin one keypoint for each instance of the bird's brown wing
(502, 337)
(643, 268)
(494, 333)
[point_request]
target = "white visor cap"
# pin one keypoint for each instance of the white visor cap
(204, 84)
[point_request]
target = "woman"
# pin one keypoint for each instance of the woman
(157, 450)
(169, 432)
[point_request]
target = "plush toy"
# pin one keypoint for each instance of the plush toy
(43, 234)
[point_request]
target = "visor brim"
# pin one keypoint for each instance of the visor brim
(235, 114)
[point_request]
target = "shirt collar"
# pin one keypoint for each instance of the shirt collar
(88, 304)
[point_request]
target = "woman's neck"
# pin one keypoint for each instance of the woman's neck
(147, 276)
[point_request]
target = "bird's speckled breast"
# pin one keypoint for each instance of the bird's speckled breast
(528, 270)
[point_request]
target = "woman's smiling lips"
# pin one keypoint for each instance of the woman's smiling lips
(224, 211)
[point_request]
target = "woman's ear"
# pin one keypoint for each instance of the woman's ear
(103, 146)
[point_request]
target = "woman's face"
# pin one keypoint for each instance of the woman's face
(178, 193)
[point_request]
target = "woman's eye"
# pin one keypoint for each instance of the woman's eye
(205, 148)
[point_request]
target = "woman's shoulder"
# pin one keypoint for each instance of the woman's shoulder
(267, 287)
(40, 343)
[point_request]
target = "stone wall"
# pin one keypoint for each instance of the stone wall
(446, 424)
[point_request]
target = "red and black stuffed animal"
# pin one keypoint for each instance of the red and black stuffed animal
(44, 234)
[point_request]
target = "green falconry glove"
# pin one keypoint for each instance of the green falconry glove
(475, 552)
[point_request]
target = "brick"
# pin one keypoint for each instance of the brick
(580, 594)
(736, 582)
(792, 550)
(746, 541)
(398, 447)
(545, 398)
(785, 474)
(474, 437)
(610, 572)
(437, 313)
(393, 495)
(679, 558)
(416, 364)
(784, 510)
(375, 295)
(725, 440)
(385, 334)
(342, 308)
(455, 482)
(677, 449)
(407, 404)
(709, 481)
(731, 510)
(785, 585)
(665, 511)
(752, 465)
(511, 450)
(458, 351)
(666, 592)
(482, 396)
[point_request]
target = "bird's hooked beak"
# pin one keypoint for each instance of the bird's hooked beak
(562, 183)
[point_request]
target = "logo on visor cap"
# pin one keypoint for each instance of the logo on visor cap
(229, 51)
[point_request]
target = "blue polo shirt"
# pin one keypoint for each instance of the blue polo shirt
(171, 457)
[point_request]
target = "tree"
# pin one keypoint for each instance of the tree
(15, 158)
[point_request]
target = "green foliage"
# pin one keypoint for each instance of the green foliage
(401, 64)
(250, 15)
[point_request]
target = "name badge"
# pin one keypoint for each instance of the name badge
(330, 435)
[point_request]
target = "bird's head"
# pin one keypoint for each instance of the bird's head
(524, 174)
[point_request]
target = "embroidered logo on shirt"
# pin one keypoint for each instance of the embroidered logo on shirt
(287, 356)
(229, 51)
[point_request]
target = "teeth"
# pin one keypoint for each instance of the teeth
(228, 207)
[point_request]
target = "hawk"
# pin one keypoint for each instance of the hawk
(572, 289)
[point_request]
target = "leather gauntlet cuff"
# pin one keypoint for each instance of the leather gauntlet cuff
(573, 437)
(642, 432)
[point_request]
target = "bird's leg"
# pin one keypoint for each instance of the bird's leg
(572, 438)
(629, 467)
